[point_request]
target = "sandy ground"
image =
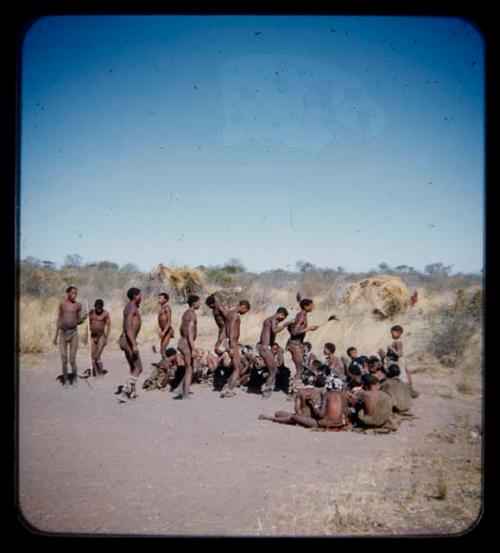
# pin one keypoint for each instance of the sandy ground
(208, 466)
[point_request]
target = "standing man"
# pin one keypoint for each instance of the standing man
(165, 323)
(232, 336)
(188, 331)
(100, 327)
(128, 343)
(68, 318)
(298, 329)
(270, 329)
(219, 312)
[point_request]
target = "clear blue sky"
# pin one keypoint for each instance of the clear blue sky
(192, 139)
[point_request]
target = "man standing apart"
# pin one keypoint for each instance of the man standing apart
(68, 318)
(233, 334)
(128, 343)
(270, 329)
(186, 345)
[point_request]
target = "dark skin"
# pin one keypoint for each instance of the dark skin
(219, 312)
(100, 327)
(188, 332)
(68, 318)
(299, 326)
(166, 332)
(128, 340)
(270, 329)
(333, 362)
(233, 333)
(333, 407)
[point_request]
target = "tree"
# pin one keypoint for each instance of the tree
(384, 267)
(340, 269)
(107, 266)
(49, 265)
(304, 266)
(437, 269)
(234, 265)
(73, 260)
(129, 268)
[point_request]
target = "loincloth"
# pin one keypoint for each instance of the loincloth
(69, 333)
(294, 344)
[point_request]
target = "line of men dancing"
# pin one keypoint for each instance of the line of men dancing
(334, 394)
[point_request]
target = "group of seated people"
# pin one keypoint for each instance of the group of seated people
(336, 393)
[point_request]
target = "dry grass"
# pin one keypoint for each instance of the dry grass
(400, 494)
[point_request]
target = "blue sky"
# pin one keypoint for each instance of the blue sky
(188, 140)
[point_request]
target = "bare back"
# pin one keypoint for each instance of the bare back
(268, 333)
(233, 326)
(131, 319)
(219, 313)
(188, 319)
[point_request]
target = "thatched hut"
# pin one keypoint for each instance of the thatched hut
(387, 295)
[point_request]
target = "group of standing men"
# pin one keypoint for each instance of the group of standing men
(71, 314)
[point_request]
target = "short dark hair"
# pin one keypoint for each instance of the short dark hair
(210, 300)
(305, 302)
(165, 295)
(69, 288)
(317, 363)
(245, 303)
(193, 298)
(397, 328)
(361, 359)
(355, 370)
(276, 344)
(320, 381)
(98, 303)
(308, 344)
(170, 352)
(369, 380)
(132, 293)
(352, 348)
(283, 311)
(324, 369)
(393, 371)
(373, 359)
(330, 347)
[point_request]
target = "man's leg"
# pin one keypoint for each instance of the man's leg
(281, 417)
(101, 343)
(93, 349)
(235, 358)
(296, 352)
(183, 347)
(308, 422)
(164, 343)
(63, 350)
(72, 354)
(270, 362)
